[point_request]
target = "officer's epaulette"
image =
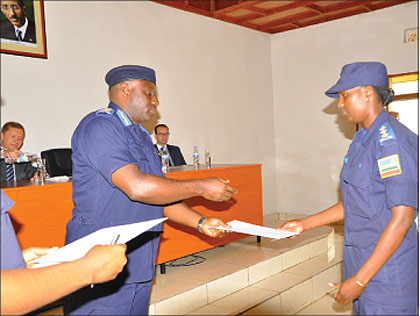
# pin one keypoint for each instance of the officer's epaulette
(105, 111)
(385, 133)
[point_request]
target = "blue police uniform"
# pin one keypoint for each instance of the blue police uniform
(11, 253)
(103, 142)
(380, 172)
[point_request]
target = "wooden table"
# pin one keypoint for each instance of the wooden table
(41, 212)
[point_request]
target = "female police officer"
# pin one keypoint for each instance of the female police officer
(379, 187)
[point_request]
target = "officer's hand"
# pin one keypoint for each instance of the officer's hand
(12, 154)
(216, 189)
(294, 226)
(33, 253)
(105, 262)
(214, 222)
(348, 291)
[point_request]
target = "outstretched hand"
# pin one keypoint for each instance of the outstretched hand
(105, 262)
(217, 189)
(294, 226)
(214, 222)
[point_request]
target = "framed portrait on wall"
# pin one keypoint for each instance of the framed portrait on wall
(22, 28)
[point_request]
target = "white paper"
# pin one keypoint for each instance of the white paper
(105, 236)
(257, 230)
(58, 178)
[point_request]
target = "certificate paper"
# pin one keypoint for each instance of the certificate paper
(257, 230)
(77, 249)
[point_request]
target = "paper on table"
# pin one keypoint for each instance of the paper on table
(257, 230)
(78, 248)
(58, 178)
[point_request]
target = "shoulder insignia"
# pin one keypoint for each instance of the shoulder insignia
(124, 118)
(389, 166)
(385, 133)
(105, 111)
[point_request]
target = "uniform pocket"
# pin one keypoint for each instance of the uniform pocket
(356, 192)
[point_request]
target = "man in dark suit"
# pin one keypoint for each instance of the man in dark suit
(12, 136)
(162, 135)
(17, 27)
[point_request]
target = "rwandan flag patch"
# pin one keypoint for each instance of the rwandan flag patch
(389, 166)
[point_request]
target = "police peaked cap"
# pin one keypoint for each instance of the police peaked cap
(360, 74)
(129, 72)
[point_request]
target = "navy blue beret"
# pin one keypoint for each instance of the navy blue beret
(129, 72)
(360, 74)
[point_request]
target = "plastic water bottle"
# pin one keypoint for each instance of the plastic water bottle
(196, 158)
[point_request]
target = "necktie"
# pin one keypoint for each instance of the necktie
(19, 35)
(10, 173)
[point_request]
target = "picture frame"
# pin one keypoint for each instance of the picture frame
(33, 44)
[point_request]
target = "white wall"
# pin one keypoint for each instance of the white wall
(311, 136)
(214, 79)
(217, 83)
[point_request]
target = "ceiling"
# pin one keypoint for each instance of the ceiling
(278, 16)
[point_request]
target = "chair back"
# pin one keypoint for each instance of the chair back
(58, 161)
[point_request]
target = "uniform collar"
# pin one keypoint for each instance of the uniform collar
(380, 119)
(144, 130)
(125, 119)
(121, 114)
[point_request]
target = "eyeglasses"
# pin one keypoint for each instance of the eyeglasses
(14, 7)
(163, 134)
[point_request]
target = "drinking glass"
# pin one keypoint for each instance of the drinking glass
(207, 158)
(41, 170)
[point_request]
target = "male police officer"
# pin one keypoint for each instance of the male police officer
(117, 179)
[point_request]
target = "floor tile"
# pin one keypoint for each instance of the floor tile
(265, 269)
(227, 285)
(243, 299)
(327, 306)
(314, 265)
(207, 271)
(165, 286)
(296, 298)
(295, 256)
(210, 310)
(270, 218)
(320, 282)
(183, 303)
(269, 307)
(280, 282)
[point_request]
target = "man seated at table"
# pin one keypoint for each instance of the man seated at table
(175, 155)
(12, 136)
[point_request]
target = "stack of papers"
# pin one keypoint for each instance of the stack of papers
(257, 230)
(105, 236)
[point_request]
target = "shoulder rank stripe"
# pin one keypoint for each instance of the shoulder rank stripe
(389, 166)
(124, 118)
(105, 111)
(385, 133)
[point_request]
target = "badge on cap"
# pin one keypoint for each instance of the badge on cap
(389, 166)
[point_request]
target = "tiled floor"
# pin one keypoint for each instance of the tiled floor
(246, 262)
